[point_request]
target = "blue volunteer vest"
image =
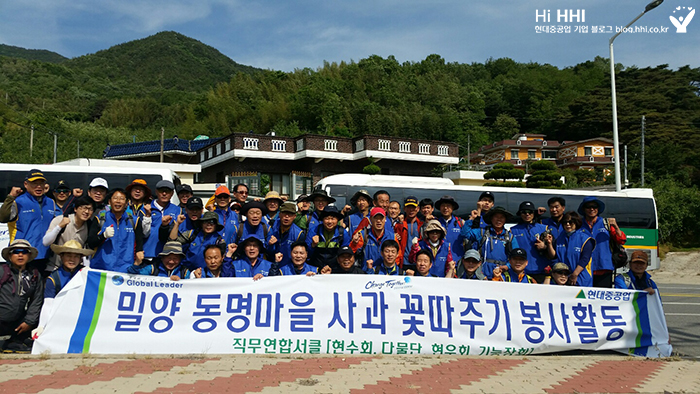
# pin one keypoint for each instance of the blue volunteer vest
(152, 245)
(569, 251)
(116, 253)
(33, 219)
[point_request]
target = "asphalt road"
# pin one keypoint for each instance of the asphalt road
(682, 309)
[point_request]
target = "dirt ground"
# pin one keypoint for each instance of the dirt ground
(679, 267)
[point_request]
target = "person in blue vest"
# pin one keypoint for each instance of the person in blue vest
(21, 295)
(163, 212)
(453, 225)
(532, 237)
(119, 241)
(367, 242)
(321, 200)
(272, 202)
(28, 215)
(424, 262)
(495, 242)
(325, 239)
(228, 218)
(601, 230)
(214, 257)
(362, 201)
(286, 232)
(515, 273)
(168, 264)
(250, 263)
(206, 232)
(72, 254)
(637, 278)
(298, 264)
(557, 208)
(254, 225)
(574, 247)
(387, 263)
(433, 240)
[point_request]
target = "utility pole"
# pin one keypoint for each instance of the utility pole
(643, 150)
(626, 181)
(162, 142)
(31, 141)
(55, 147)
(78, 149)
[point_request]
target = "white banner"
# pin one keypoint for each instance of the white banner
(113, 313)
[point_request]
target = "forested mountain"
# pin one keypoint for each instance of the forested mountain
(31, 54)
(168, 80)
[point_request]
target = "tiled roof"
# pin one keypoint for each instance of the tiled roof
(146, 148)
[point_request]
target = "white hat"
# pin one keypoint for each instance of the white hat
(99, 182)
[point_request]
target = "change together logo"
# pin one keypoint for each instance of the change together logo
(682, 21)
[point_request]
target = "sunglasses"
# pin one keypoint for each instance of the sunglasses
(567, 273)
(527, 212)
(212, 222)
(19, 251)
(62, 191)
(571, 222)
(590, 207)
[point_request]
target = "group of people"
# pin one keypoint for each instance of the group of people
(139, 231)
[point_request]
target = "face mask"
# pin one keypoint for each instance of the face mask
(434, 244)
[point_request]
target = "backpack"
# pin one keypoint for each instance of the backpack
(619, 255)
(486, 235)
(239, 233)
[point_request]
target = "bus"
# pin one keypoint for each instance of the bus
(78, 176)
(634, 209)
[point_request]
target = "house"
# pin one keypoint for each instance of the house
(522, 148)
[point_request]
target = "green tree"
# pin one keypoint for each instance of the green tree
(505, 172)
(545, 175)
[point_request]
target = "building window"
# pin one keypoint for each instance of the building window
(359, 145)
(608, 152)
(202, 156)
(514, 154)
(531, 154)
(404, 147)
(424, 149)
(280, 183)
(588, 151)
(303, 185)
(252, 181)
(384, 144)
(279, 146)
(218, 149)
(250, 143)
(331, 145)
(227, 145)
(300, 145)
(443, 150)
(210, 153)
(549, 154)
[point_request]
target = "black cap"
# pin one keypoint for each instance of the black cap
(519, 252)
(62, 185)
(410, 200)
(302, 198)
(183, 188)
(487, 195)
(194, 202)
(345, 250)
(526, 206)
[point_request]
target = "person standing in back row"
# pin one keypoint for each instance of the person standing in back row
(28, 215)
(602, 231)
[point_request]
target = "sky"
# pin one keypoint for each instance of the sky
(289, 34)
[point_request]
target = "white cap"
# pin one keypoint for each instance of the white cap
(99, 182)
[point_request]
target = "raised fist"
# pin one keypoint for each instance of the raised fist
(109, 232)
